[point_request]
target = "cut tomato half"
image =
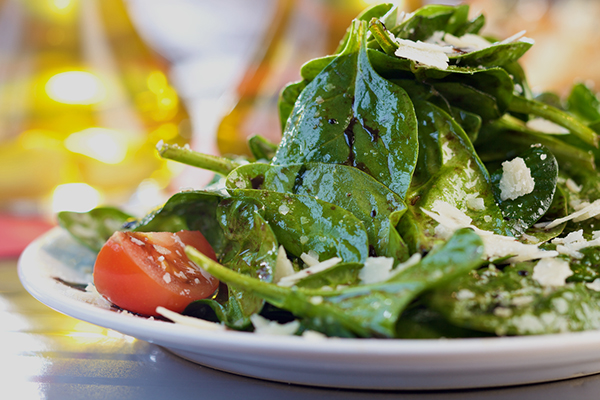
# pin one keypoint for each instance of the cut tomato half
(139, 271)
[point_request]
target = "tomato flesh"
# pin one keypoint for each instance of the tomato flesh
(139, 271)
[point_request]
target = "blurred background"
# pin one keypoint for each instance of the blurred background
(88, 87)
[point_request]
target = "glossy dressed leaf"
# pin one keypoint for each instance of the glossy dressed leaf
(505, 138)
(191, 210)
(470, 122)
(287, 99)
(448, 170)
(304, 223)
(251, 250)
(366, 310)
(93, 228)
(425, 21)
(486, 92)
(261, 148)
(586, 269)
(558, 209)
(510, 302)
(495, 55)
(524, 211)
(371, 202)
(584, 103)
(350, 115)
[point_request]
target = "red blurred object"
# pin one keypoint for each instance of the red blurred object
(17, 232)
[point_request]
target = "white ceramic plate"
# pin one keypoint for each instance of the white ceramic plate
(345, 363)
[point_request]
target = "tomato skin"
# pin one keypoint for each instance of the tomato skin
(139, 271)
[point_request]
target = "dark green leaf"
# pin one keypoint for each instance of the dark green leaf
(350, 115)
(192, 210)
(371, 202)
(524, 211)
(510, 302)
(304, 223)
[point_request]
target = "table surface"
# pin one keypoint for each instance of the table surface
(47, 355)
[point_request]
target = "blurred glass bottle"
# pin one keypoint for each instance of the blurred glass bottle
(82, 100)
(300, 30)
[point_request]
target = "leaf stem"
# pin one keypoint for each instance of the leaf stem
(382, 36)
(553, 114)
(219, 165)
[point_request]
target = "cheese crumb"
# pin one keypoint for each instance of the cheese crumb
(551, 272)
(464, 294)
(263, 326)
(283, 266)
(376, 269)
(283, 209)
(594, 285)
(573, 242)
(516, 179)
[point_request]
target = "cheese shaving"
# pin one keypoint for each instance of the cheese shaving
(291, 280)
(496, 246)
(424, 53)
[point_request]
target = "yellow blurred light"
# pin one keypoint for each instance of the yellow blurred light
(75, 87)
(157, 82)
(78, 197)
(61, 4)
(105, 145)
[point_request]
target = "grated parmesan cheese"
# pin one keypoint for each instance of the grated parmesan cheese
(594, 285)
(573, 242)
(551, 272)
(376, 269)
(283, 266)
(263, 326)
(423, 53)
(496, 246)
(291, 280)
(516, 179)
(587, 212)
(545, 126)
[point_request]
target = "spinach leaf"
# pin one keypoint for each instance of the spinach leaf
(558, 209)
(251, 250)
(303, 223)
(191, 210)
(510, 302)
(375, 205)
(524, 211)
(499, 54)
(448, 170)
(584, 103)
(425, 21)
(366, 310)
(261, 148)
(93, 228)
(350, 115)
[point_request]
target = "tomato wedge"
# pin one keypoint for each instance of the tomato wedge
(139, 271)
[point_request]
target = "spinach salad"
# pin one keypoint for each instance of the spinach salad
(420, 190)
